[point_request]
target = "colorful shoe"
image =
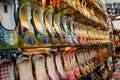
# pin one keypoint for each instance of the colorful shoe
(68, 67)
(77, 32)
(8, 29)
(40, 69)
(74, 64)
(64, 27)
(26, 30)
(50, 30)
(58, 29)
(39, 27)
(71, 31)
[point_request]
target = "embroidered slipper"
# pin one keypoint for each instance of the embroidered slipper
(80, 32)
(80, 60)
(57, 27)
(66, 32)
(83, 34)
(51, 67)
(61, 26)
(67, 65)
(79, 5)
(39, 26)
(71, 31)
(76, 31)
(26, 30)
(6, 70)
(60, 68)
(85, 12)
(40, 70)
(86, 62)
(89, 62)
(49, 25)
(24, 65)
(8, 23)
(74, 64)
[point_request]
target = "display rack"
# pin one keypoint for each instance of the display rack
(96, 39)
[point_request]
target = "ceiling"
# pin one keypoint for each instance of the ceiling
(112, 1)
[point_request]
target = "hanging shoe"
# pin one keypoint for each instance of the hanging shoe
(49, 25)
(6, 70)
(40, 69)
(51, 67)
(39, 26)
(26, 30)
(8, 23)
(24, 65)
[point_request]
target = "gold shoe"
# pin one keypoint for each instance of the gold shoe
(65, 29)
(50, 30)
(57, 22)
(26, 30)
(39, 26)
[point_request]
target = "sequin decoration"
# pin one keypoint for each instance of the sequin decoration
(8, 37)
(42, 38)
(27, 36)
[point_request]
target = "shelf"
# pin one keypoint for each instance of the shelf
(57, 46)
